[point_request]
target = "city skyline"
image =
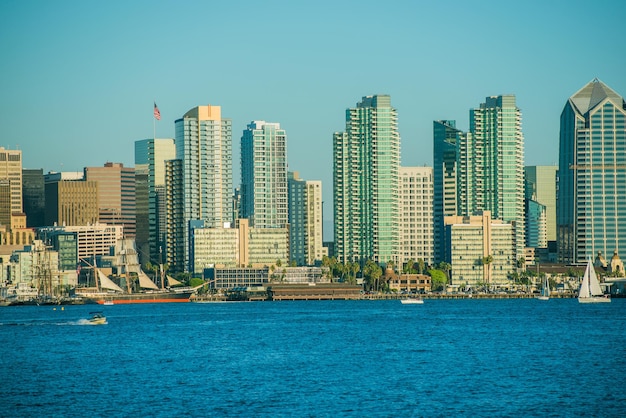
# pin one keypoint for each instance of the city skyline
(89, 75)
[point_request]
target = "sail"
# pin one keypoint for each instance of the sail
(594, 284)
(590, 285)
(172, 281)
(107, 283)
(145, 282)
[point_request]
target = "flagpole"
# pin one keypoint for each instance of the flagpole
(154, 124)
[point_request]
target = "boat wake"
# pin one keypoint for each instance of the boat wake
(44, 323)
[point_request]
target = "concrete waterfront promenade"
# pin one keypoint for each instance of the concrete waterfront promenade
(284, 293)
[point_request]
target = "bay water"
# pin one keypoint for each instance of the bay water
(517, 357)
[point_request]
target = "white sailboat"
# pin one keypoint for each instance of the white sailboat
(545, 290)
(590, 291)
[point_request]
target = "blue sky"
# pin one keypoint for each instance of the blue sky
(79, 77)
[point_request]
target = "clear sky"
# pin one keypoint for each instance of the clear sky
(78, 78)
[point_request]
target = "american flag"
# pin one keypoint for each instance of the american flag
(157, 114)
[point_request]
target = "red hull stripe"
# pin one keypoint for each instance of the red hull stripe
(128, 301)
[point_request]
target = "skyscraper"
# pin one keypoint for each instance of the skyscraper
(416, 215)
(591, 215)
(11, 170)
(305, 220)
(446, 201)
(492, 169)
(150, 157)
(366, 161)
(540, 187)
(204, 146)
(264, 175)
(33, 192)
(116, 195)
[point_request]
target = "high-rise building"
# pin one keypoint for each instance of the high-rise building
(204, 146)
(116, 195)
(591, 215)
(446, 140)
(536, 230)
(70, 200)
(150, 157)
(11, 170)
(33, 192)
(540, 187)
(366, 161)
(305, 220)
(491, 175)
(416, 215)
(175, 229)
(264, 175)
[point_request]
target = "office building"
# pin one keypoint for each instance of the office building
(11, 173)
(591, 215)
(446, 140)
(264, 175)
(70, 200)
(33, 194)
(366, 161)
(116, 195)
(150, 158)
(540, 186)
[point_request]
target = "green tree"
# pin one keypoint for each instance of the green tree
(438, 279)
(408, 267)
(372, 273)
(421, 266)
(445, 267)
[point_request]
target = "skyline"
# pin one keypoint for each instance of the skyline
(79, 80)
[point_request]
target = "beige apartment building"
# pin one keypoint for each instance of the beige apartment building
(480, 249)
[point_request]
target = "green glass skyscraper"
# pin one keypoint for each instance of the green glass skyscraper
(591, 215)
(366, 161)
(492, 164)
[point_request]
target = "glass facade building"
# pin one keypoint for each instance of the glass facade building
(591, 215)
(492, 164)
(150, 158)
(203, 141)
(366, 162)
(446, 139)
(264, 175)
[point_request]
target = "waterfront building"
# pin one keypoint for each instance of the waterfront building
(243, 277)
(446, 140)
(416, 215)
(305, 220)
(91, 240)
(540, 186)
(591, 215)
(243, 246)
(203, 141)
(491, 174)
(366, 162)
(33, 194)
(116, 195)
(150, 157)
(70, 200)
(264, 175)
(480, 249)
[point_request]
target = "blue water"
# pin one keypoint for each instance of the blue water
(445, 358)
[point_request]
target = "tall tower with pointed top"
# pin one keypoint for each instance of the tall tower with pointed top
(591, 215)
